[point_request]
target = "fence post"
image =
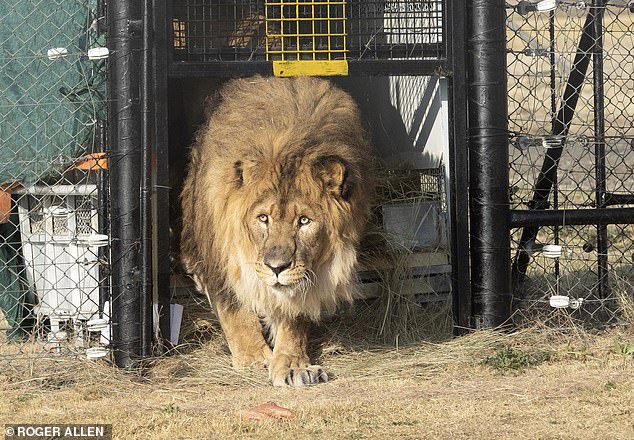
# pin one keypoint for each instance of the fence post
(597, 10)
(124, 114)
(458, 166)
(488, 164)
(161, 181)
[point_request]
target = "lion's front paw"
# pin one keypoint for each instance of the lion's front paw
(285, 371)
(259, 357)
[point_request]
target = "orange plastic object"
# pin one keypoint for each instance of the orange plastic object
(95, 161)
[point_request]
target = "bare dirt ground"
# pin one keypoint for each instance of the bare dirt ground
(535, 383)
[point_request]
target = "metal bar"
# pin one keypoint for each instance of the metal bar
(430, 51)
(355, 68)
(569, 217)
(488, 156)
(124, 42)
(103, 215)
(219, 69)
(553, 109)
(164, 30)
(611, 199)
(398, 67)
(146, 184)
(161, 205)
(599, 144)
(58, 190)
(458, 167)
(561, 125)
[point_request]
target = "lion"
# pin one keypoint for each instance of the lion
(275, 202)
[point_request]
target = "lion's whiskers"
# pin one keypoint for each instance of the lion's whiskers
(311, 276)
(306, 282)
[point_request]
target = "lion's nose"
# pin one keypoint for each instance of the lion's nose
(278, 266)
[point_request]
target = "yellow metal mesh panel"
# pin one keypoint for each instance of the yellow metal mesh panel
(305, 30)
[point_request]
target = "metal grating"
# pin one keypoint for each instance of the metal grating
(305, 30)
(245, 30)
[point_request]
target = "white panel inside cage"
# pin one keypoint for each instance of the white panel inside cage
(88, 281)
(57, 290)
(36, 219)
(414, 225)
(85, 220)
(408, 116)
(68, 283)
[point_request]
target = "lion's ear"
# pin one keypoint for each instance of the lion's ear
(332, 172)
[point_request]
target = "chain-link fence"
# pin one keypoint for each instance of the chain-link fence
(53, 180)
(571, 105)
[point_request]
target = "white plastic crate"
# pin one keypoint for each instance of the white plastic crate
(415, 225)
(60, 241)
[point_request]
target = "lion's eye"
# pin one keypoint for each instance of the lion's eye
(303, 220)
(263, 218)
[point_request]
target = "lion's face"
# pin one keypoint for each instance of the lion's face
(289, 238)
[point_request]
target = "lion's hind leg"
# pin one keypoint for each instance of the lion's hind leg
(243, 332)
(290, 364)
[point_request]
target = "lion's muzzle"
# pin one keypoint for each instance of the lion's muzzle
(278, 260)
(283, 275)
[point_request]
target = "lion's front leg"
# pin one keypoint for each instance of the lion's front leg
(290, 364)
(243, 331)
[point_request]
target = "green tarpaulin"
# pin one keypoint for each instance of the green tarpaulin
(47, 106)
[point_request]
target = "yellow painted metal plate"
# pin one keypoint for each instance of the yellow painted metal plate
(310, 68)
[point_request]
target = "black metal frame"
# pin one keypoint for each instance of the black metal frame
(488, 149)
(134, 143)
(480, 220)
(124, 40)
(570, 217)
(459, 166)
(453, 66)
(161, 181)
(225, 69)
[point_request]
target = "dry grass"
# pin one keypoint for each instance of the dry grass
(395, 372)
(572, 385)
